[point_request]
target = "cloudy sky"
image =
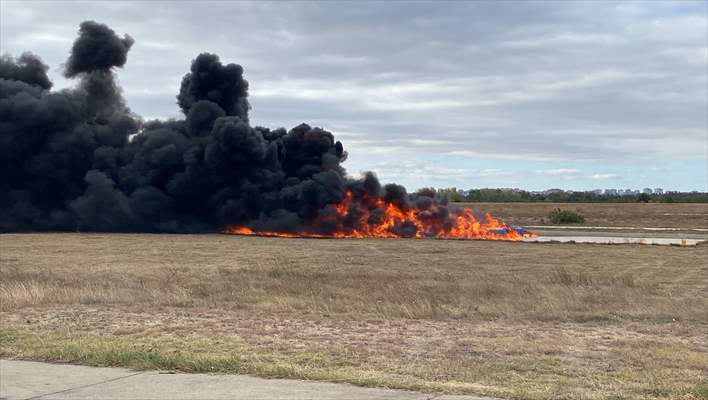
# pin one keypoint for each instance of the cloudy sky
(535, 95)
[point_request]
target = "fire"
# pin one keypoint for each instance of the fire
(376, 218)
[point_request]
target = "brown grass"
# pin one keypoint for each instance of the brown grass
(642, 215)
(507, 319)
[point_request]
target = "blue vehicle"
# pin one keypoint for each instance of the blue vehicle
(503, 231)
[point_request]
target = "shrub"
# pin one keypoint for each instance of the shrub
(559, 216)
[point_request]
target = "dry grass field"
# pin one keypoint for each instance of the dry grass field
(640, 215)
(513, 320)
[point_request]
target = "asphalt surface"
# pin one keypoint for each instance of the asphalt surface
(36, 380)
(656, 236)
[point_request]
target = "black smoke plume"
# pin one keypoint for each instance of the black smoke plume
(97, 48)
(79, 159)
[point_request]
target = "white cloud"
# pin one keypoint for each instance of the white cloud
(604, 176)
(560, 171)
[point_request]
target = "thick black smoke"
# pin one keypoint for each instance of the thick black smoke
(78, 159)
(97, 48)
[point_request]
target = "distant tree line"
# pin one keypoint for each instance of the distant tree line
(505, 195)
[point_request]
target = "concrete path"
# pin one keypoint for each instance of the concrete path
(36, 380)
(564, 234)
(614, 240)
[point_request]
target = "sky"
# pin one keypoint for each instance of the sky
(532, 95)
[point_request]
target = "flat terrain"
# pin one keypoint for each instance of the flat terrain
(513, 320)
(641, 215)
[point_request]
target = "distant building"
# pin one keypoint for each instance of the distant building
(597, 191)
(631, 192)
(659, 191)
(647, 191)
(611, 192)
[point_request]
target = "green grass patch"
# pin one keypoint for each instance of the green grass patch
(111, 352)
(560, 216)
(701, 391)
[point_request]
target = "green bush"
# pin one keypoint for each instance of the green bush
(559, 216)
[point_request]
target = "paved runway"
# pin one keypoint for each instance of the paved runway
(618, 235)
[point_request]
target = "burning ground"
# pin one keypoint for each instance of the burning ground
(369, 216)
(79, 159)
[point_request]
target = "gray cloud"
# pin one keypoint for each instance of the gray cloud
(483, 80)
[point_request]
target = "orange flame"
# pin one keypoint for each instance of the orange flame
(362, 221)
